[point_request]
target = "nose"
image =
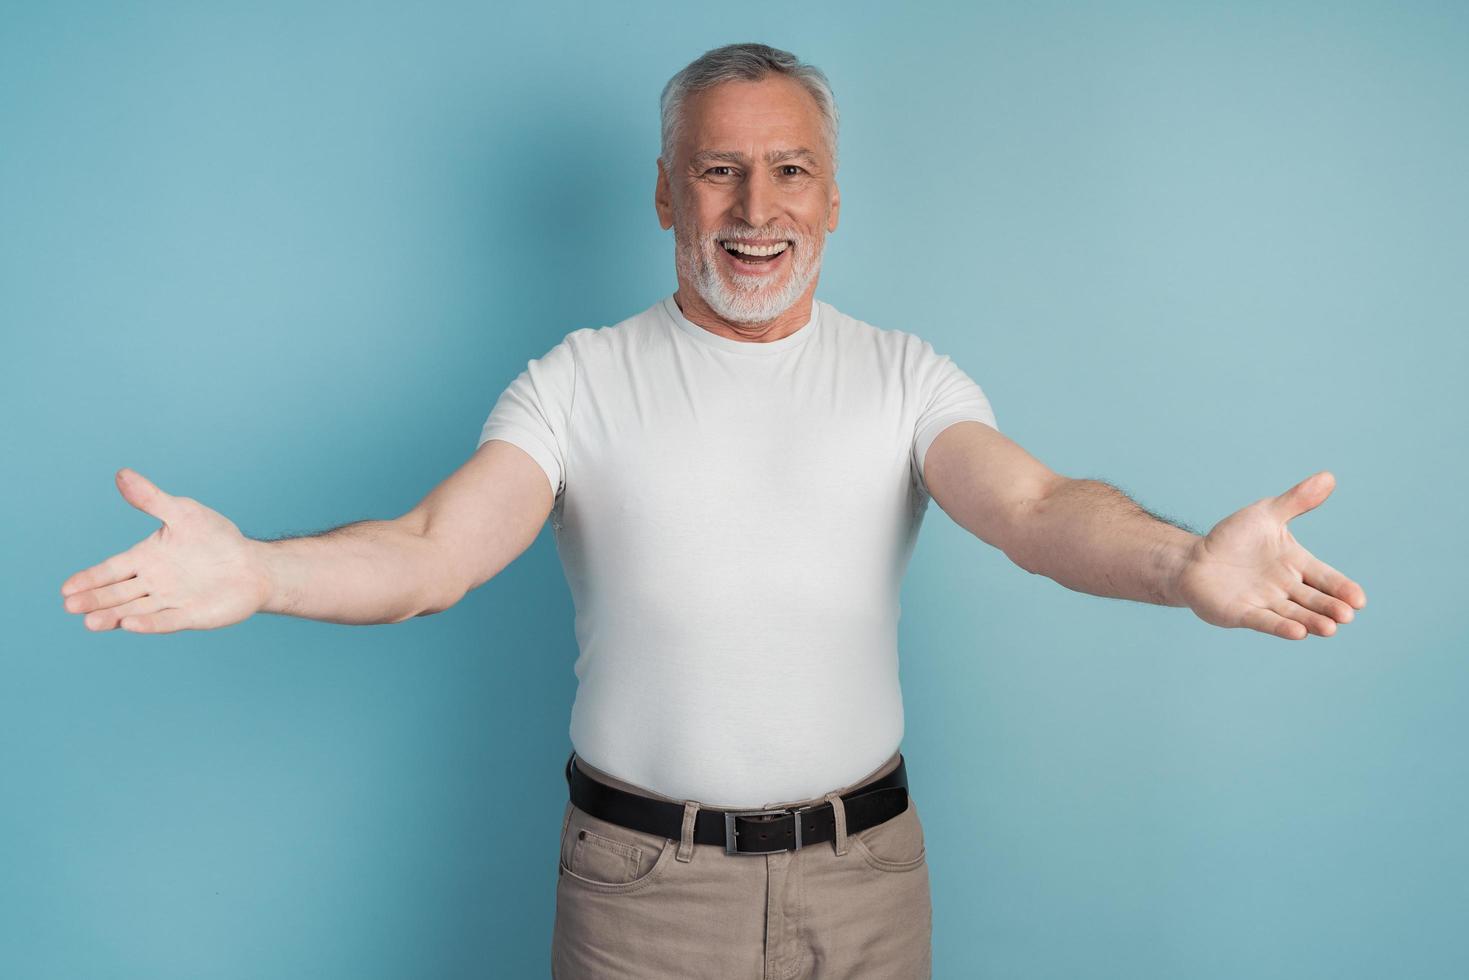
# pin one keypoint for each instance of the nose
(756, 202)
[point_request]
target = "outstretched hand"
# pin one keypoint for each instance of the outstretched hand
(1249, 571)
(197, 571)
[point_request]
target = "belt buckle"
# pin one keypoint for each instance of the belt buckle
(730, 833)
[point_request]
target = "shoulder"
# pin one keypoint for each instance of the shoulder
(590, 346)
(902, 349)
(631, 334)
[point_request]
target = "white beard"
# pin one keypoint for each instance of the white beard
(750, 299)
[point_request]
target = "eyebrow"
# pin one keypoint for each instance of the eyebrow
(734, 156)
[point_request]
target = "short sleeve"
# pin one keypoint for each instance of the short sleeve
(948, 395)
(534, 412)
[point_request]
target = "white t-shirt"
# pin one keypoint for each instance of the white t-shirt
(734, 519)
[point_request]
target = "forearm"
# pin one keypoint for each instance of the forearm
(1091, 537)
(362, 573)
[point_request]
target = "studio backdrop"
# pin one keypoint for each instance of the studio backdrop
(282, 258)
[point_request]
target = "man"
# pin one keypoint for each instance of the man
(736, 477)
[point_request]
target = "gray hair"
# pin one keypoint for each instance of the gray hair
(743, 62)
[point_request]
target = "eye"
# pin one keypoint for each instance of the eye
(792, 166)
(711, 171)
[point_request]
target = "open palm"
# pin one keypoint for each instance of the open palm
(197, 571)
(1249, 571)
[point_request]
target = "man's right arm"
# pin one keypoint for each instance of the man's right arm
(479, 520)
(199, 572)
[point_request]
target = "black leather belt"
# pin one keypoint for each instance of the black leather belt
(743, 831)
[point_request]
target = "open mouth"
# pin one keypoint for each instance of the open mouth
(752, 257)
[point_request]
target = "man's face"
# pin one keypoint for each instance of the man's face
(751, 174)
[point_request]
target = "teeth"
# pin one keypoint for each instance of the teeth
(744, 249)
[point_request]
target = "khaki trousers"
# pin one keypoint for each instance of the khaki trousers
(632, 905)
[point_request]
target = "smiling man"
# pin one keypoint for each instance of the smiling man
(736, 477)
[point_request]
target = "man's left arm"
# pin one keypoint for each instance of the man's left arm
(1248, 571)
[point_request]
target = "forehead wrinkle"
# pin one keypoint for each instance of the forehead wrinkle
(735, 156)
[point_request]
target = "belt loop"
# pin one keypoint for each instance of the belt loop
(686, 838)
(839, 811)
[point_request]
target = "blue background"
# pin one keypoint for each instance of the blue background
(283, 258)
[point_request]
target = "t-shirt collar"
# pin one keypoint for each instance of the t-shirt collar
(751, 347)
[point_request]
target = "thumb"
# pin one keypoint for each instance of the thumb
(1305, 495)
(139, 491)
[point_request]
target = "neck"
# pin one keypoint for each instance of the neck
(698, 312)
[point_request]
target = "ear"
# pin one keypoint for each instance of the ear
(663, 198)
(836, 207)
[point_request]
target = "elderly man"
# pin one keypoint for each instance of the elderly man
(735, 476)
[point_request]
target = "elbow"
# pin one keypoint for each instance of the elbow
(445, 590)
(426, 606)
(1022, 560)
(441, 602)
(439, 580)
(1025, 541)
(1020, 541)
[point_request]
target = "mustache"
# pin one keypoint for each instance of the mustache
(793, 235)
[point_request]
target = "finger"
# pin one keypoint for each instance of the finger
(1317, 601)
(109, 619)
(139, 491)
(1315, 622)
(1262, 619)
(114, 569)
(1320, 575)
(106, 597)
(164, 621)
(1305, 495)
